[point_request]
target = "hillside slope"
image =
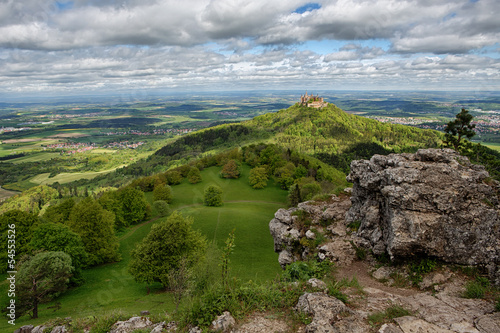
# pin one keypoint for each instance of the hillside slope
(324, 133)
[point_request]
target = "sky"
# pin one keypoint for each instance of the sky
(100, 46)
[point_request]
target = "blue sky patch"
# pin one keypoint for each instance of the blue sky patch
(64, 5)
(307, 8)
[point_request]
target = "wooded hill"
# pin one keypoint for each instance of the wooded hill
(330, 134)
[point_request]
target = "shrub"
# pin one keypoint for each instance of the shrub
(194, 175)
(213, 196)
(258, 177)
(230, 170)
(161, 207)
(162, 192)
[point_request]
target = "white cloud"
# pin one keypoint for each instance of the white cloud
(105, 44)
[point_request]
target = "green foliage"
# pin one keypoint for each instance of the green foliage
(284, 175)
(230, 170)
(31, 200)
(164, 247)
(162, 192)
(240, 300)
(212, 196)
(303, 271)
(24, 223)
(59, 213)
(258, 177)
(421, 267)
(476, 288)
(354, 226)
(173, 177)
(360, 251)
(161, 207)
(459, 129)
(104, 323)
(59, 237)
(40, 279)
(134, 206)
(194, 175)
(95, 225)
(394, 311)
(226, 252)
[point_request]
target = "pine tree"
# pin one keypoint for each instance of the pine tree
(459, 129)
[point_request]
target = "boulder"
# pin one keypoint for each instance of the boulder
(433, 203)
(25, 329)
(324, 309)
(38, 329)
(59, 329)
(223, 322)
(130, 325)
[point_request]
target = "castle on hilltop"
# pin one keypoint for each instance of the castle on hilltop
(312, 101)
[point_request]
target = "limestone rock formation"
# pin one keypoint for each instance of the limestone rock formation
(290, 226)
(433, 203)
(130, 325)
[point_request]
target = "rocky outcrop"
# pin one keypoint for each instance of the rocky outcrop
(433, 203)
(291, 226)
(223, 323)
(130, 325)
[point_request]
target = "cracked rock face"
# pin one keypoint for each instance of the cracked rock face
(287, 231)
(434, 203)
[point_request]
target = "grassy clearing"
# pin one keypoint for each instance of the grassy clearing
(37, 157)
(111, 288)
(494, 146)
(63, 178)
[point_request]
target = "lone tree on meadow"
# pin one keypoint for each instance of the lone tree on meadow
(168, 246)
(40, 279)
(213, 196)
(459, 129)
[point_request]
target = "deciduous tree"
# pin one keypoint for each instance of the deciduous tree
(59, 237)
(230, 170)
(258, 177)
(95, 225)
(164, 248)
(194, 175)
(213, 196)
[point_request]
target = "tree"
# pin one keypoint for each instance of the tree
(213, 196)
(133, 205)
(194, 175)
(459, 129)
(258, 177)
(230, 170)
(161, 207)
(59, 213)
(164, 248)
(162, 192)
(95, 225)
(24, 223)
(40, 279)
(59, 237)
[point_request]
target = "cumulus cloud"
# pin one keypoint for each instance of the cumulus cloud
(91, 44)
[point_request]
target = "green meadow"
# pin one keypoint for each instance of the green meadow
(110, 287)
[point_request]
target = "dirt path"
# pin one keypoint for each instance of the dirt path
(360, 270)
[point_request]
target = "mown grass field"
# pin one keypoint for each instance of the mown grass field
(111, 288)
(66, 177)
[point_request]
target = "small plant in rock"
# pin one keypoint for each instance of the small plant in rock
(419, 268)
(377, 319)
(476, 288)
(360, 252)
(354, 226)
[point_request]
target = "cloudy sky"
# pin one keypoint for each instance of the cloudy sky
(91, 46)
